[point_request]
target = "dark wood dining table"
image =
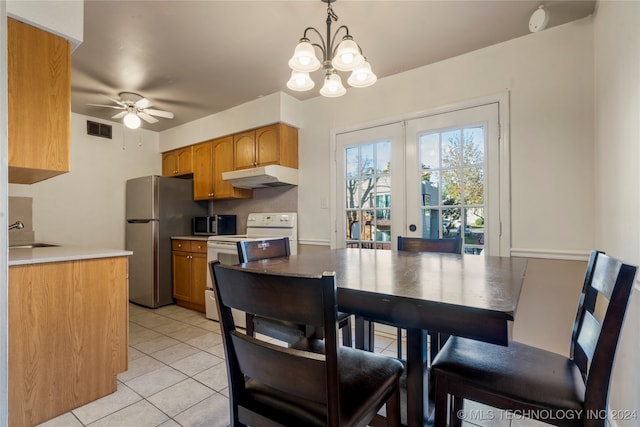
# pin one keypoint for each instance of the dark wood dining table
(472, 296)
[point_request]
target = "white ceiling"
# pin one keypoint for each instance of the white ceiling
(196, 58)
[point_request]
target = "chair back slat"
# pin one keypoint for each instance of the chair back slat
(415, 244)
(296, 299)
(303, 377)
(263, 249)
(587, 302)
(588, 336)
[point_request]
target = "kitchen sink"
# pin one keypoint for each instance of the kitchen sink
(32, 246)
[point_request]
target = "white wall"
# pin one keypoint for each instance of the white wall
(550, 79)
(86, 205)
(62, 17)
(617, 154)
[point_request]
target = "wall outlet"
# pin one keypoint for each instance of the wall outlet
(324, 203)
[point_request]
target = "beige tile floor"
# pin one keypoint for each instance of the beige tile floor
(177, 376)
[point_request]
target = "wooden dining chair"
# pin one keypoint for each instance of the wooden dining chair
(555, 389)
(416, 244)
(315, 383)
(256, 250)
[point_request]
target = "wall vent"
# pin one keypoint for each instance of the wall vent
(98, 129)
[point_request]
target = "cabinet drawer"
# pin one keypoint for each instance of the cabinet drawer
(199, 246)
(181, 245)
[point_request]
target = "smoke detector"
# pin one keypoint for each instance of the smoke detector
(539, 19)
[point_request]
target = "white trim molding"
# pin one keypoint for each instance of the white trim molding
(314, 242)
(551, 254)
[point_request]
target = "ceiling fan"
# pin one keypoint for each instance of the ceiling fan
(135, 107)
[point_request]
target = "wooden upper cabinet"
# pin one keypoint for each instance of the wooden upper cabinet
(210, 160)
(270, 145)
(202, 171)
(178, 162)
(39, 103)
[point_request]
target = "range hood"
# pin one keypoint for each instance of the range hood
(262, 176)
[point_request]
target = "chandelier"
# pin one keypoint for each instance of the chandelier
(346, 56)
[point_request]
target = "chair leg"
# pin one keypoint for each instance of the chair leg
(457, 406)
(399, 338)
(393, 409)
(440, 408)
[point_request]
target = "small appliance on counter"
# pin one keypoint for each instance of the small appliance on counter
(216, 225)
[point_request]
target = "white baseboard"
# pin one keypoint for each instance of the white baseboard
(550, 254)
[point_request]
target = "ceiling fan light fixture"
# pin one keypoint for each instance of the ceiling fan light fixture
(362, 76)
(131, 120)
(300, 81)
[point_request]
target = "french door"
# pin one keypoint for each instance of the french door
(452, 172)
(436, 176)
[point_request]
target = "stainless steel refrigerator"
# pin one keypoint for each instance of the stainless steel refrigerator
(156, 209)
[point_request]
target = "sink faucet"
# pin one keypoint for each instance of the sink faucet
(17, 225)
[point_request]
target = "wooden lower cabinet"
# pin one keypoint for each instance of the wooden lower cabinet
(68, 335)
(190, 273)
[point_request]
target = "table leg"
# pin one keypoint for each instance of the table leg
(417, 378)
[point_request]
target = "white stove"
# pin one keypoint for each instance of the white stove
(260, 226)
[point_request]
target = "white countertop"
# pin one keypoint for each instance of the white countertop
(61, 253)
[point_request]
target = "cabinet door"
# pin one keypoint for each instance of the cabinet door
(182, 276)
(222, 162)
(169, 163)
(268, 145)
(39, 103)
(244, 150)
(185, 161)
(199, 267)
(202, 171)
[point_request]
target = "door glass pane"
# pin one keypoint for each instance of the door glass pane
(451, 149)
(368, 195)
(451, 222)
(474, 186)
(383, 157)
(430, 223)
(474, 230)
(451, 187)
(473, 151)
(352, 159)
(430, 151)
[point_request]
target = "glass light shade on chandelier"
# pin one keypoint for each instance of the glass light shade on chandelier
(300, 81)
(304, 57)
(131, 120)
(332, 87)
(348, 55)
(362, 76)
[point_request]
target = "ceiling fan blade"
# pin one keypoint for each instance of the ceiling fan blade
(120, 115)
(117, 101)
(143, 103)
(159, 113)
(107, 106)
(147, 118)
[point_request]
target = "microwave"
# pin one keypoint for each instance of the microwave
(214, 225)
